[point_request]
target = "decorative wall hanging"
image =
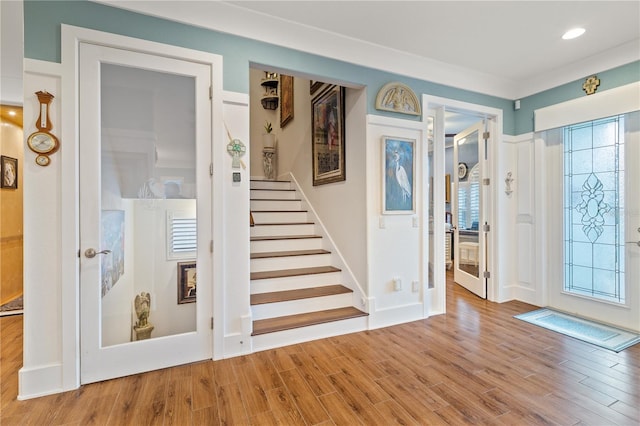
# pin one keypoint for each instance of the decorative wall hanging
(43, 142)
(112, 237)
(236, 149)
(286, 95)
(398, 97)
(9, 172)
(591, 84)
(327, 135)
(270, 98)
(398, 181)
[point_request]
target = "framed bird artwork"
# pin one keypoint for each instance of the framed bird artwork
(398, 182)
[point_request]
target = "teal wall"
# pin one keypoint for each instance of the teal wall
(42, 21)
(620, 76)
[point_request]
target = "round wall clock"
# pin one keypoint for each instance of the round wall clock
(462, 170)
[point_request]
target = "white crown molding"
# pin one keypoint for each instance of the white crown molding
(236, 20)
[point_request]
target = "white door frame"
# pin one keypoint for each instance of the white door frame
(70, 298)
(495, 126)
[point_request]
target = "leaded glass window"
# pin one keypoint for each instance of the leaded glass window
(594, 209)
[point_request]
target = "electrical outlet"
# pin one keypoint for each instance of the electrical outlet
(397, 284)
(415, 221)
(415, 286)
(381, 223)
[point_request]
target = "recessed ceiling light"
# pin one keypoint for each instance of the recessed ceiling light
(573, 33)
(12, 113)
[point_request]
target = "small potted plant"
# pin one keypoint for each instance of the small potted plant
(268, 138)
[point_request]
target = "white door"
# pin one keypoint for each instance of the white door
(469, 209)
(145, 212)
(601, 216)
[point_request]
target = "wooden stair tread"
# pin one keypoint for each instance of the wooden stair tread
(293, 272)
(268, 254)
(284, 223)
(265, 180)
(297, 294)
(283, 237)
(271, 325)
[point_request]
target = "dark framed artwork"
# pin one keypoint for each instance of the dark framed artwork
(314, 85)
(9, 172)
(286, 99)
(186, 282)
(327, 136)
(398, 171)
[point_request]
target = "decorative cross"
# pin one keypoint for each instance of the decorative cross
(591, 85)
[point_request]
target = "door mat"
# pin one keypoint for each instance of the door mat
(605, 336)
(13, 307)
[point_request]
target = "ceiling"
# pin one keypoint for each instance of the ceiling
(509, 49)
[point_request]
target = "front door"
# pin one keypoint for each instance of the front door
(145, 212)
(468, 213)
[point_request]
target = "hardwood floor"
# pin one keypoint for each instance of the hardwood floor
(474, 365)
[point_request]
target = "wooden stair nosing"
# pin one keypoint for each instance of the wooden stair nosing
(282, 273)
(298, 294)
(271, 189)
(270, 254)
(265, 180)
(275, 199)
(278, 211)
(283, 237)
(271, 325)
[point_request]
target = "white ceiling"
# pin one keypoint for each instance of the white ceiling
(509, 49)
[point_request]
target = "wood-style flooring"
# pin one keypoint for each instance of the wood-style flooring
(474, 365)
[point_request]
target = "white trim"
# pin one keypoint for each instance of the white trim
(39, 381)
(619, 100)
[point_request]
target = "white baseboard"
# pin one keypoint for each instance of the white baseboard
(40, 381)
(396, 315)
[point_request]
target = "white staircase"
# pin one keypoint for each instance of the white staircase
(296, 295)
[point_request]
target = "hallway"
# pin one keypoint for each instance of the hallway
(476, 364)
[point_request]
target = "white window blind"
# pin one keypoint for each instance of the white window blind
(182, 235)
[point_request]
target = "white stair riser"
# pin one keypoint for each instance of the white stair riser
(286, 245)
(279, 217)
(279, 230)
(290, 262)
(276, 205)
(269, 195)
(300, 306)
(293, 283)
(306, 334)
(266, 184)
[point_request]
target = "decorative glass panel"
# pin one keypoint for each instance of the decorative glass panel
(594, 209)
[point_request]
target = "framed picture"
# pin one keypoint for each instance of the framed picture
(9, 171)
(112, 238)
(186, 282)
(314, 85)
(327, 136)
(447, 188)
(286, 99)
(398, 182)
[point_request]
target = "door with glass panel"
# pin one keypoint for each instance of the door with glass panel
(468, 213)
(601, 218)
(145, 212)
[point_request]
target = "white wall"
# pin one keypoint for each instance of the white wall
(396, 248)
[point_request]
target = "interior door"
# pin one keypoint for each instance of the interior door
(145, 212)
(468, 209)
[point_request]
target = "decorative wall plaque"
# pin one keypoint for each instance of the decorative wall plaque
(591, 85)
(398, 97)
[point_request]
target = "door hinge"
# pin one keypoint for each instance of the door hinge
(210, 92)
(486, 181)
(486, 274)
(212, 323)
(210, 169)
(486, 135)
(486, 227)
(211, 246)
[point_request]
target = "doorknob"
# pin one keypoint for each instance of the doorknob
(633, 242)
(91, 253)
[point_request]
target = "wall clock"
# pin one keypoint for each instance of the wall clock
(462, 170)
(43, 142)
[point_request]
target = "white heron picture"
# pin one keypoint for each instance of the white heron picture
(398, 182)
